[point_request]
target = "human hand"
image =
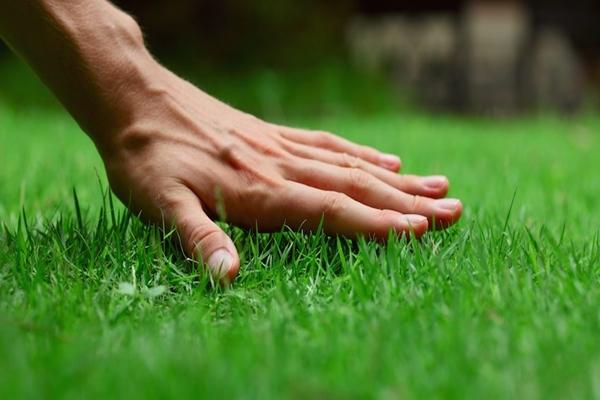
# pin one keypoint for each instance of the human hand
(186, 158)
(175, 155)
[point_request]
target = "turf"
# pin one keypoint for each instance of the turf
(504, 305)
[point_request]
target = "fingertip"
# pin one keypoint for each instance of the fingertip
(223, 264)
(458, 211)
(390, 161)
(435, 186)
(416, 224)
(233, 270)
(448, 212)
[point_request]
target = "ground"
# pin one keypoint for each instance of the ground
(503, 305)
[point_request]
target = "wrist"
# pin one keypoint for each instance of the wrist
(111, 71)
(89, 53)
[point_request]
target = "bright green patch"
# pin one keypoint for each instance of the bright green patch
(95, 305)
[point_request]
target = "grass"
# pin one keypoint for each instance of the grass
(504, 305)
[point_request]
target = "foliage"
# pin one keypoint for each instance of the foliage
(237, 33)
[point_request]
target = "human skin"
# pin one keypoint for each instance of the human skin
(179, 157)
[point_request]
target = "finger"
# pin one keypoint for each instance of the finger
(429, 186)
(201, 237)
(304, 207)
(337, 144)
(367, 189)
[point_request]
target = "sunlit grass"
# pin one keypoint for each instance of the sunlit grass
(505, 304)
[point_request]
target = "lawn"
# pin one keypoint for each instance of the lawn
(504, 305)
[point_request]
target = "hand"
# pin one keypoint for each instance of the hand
(174, 154)
(185, 158)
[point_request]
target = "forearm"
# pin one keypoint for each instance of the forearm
(88, 52)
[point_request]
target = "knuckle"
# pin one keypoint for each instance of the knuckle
(168, 200)
(254, 179)
(285, 161)
(268, 144)
(288, 146)
(257, 198)
(333, 203)
(350, 161)
(287, 166)
(227, 149)
(385, 217)
(200, 235)
(274, 151)
(258, 192)
(385, 220)
(324, 138)
(416, 202)
(359, 181)
(232, 154)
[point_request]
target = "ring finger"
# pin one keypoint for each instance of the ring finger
(369, 190)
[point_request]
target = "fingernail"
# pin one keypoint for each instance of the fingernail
(415, 219)
(434, 182)
(389, 161)
(219, 263)
(448, 204)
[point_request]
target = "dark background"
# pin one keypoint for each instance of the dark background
(239, 33)
(285, 49)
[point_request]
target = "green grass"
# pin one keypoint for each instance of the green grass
(504, 305)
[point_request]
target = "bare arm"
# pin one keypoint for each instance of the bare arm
(174, 153)
(89, 53)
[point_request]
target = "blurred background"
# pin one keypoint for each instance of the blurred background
(291, 58)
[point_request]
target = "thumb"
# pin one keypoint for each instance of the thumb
(202, 238)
